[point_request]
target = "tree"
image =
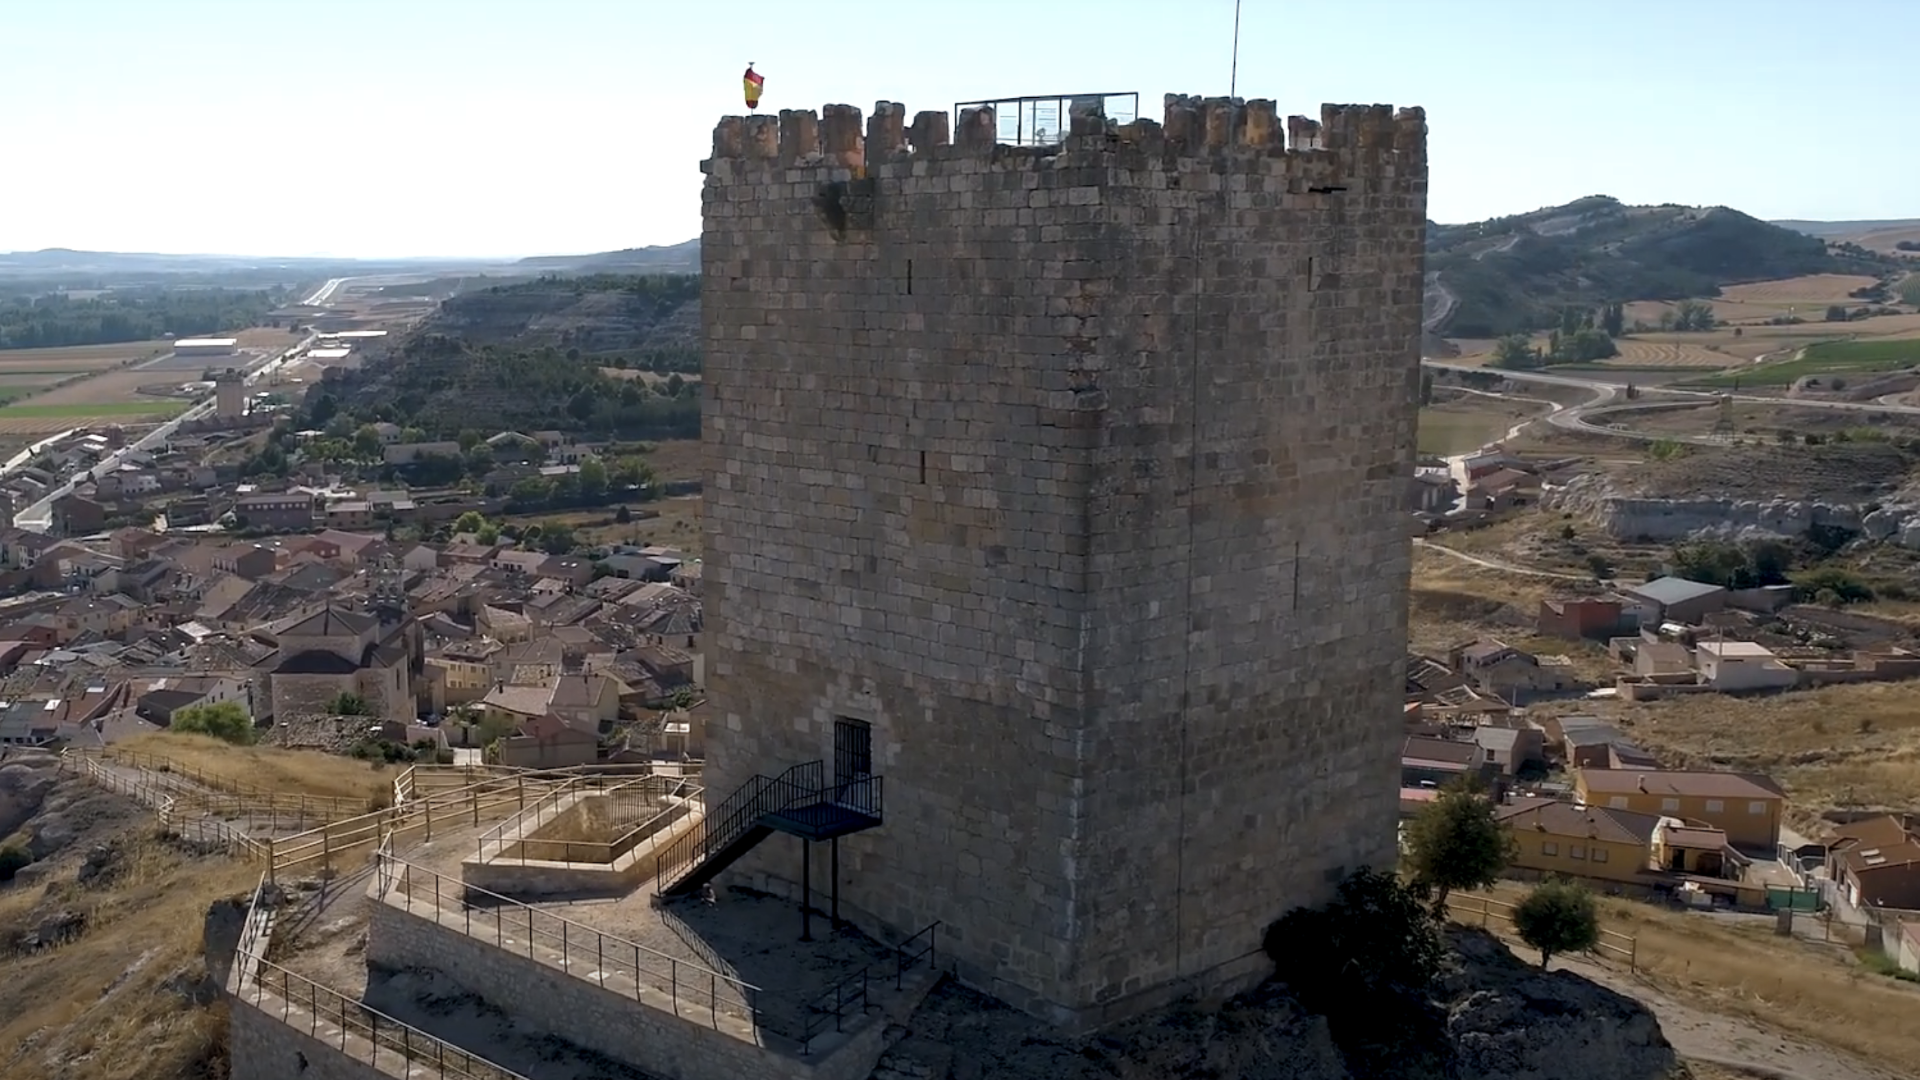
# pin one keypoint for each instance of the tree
(1374, 937)
(470, 522)
(224, 720)
(556, 538)
(349, 705)
(631, 472)
(1557, 917)
(1515, 352)
(1693, 315)
(593, 478)
(1836, 313)
(366, 442)
(487, 535)
(1426, 388)
(623, 516)
(1457, 843)
(1613, 319)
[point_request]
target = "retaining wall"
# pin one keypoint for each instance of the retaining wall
(612, 1023)
(263, 1048)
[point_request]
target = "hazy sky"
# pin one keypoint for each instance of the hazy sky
(510, 127)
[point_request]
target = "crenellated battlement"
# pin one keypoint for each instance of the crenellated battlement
(1360, 138)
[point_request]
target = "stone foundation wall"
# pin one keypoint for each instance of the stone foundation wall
(263, 1048)
(580, 1012)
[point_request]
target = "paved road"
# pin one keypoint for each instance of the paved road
(325, 292)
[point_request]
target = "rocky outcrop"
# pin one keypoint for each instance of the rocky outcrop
(1630, 517)
(1492, 1017)
(1511, 1020)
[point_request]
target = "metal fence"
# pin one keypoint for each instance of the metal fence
(1041, 120)
(633, 810)
(362, 1033)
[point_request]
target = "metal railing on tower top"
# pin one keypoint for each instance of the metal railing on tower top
(1044, 119)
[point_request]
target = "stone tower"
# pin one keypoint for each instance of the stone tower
(1069, 480)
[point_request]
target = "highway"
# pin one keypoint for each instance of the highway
(325, 292)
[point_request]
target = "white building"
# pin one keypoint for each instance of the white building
(1742, 665)
(212, 346)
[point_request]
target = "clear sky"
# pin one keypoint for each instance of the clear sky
(384, 128)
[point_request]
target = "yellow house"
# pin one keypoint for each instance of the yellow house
(1554, 837)
(455, 681)
(1746, 806)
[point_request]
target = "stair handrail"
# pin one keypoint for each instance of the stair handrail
(751, 801)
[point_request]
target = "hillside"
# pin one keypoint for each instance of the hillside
(681, 258)
(535, 356)
(1517, 273)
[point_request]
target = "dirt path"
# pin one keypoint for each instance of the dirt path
(1728, 1041)
(1497, 564)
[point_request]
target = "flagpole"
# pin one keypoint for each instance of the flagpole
(1233, 77)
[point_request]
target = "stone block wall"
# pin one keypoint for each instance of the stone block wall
(1074, 471)
(578, 1011)
(263, 1048)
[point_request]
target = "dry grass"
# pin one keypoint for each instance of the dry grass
(1810, 289)
(1815, 991)
(677, 459)
(1883, 240)
(294, 772)
(98, 1003)
(1834, 746)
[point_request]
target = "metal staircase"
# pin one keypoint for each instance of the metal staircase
(799, 802)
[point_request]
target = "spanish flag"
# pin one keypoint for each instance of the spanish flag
(753, 84)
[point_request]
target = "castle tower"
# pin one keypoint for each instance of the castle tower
(229, 395)
(1060, 488)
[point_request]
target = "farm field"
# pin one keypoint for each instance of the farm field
(1757, 301)
(1468, 423)
(1827, 357)
(78, 358)
(1665, 354)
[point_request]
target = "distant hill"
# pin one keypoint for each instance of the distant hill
(1517, 273)
(683, 257)
(536, 355)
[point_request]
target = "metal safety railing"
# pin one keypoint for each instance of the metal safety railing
(1045, 119)
(626, 967)
(628, 812)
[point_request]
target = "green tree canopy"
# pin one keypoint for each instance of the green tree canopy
(1557, 917)
(224, 720)
(1457, 843)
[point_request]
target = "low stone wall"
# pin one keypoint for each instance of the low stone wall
(516, 877)
(612, 1023)
(263, 1048)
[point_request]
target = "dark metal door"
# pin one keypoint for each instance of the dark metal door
(853, 761)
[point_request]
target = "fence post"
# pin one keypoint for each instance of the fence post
(429, 805)
(270, 860)
(1485, 911)
(1633, 954)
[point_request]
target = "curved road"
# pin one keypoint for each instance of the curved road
(1574, 417)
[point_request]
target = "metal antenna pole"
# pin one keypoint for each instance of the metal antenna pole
(1233, 77)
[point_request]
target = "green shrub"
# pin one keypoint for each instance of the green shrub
(13, 859)
(1557, 917)
(1377, 935)
(224, 720)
